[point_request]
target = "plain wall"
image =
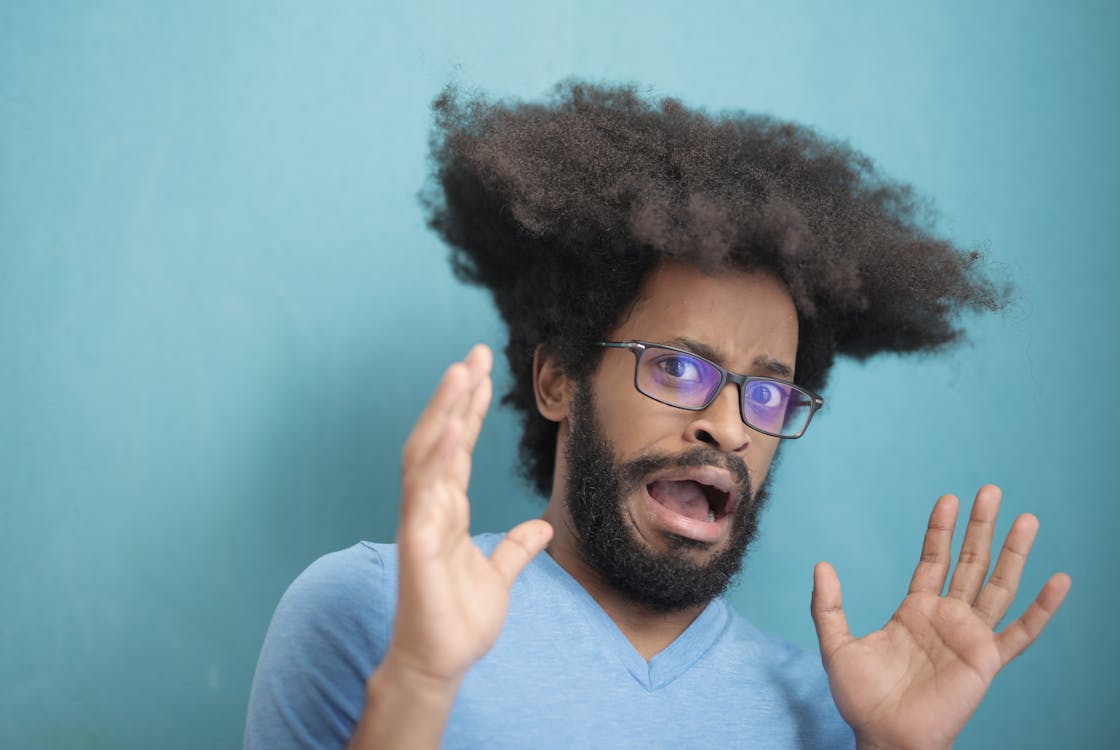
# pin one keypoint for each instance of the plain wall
(221, 310)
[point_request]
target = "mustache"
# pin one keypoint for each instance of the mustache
(634, 471)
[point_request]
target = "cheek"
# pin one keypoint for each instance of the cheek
(628, 419)
(634, 425)
(762, 458)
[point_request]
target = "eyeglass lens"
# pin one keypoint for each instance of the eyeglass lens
(688, 381)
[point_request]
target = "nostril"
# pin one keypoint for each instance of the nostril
(706, 437)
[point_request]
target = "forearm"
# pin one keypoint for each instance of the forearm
(403, 710)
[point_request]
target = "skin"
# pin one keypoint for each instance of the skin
(913, 684)
(751, 322)
(452, 599)
(916, 682)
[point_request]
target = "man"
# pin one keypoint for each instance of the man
(676, 288)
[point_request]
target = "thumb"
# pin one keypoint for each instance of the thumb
(827, 609)
(520, 545)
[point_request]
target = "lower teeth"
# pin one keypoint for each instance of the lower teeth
(711, 516)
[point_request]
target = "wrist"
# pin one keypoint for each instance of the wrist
(863, 743)
(405, 708)
(396, 679)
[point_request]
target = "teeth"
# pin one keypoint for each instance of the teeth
(711, 515)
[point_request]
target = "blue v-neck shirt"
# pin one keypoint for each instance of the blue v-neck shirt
(561, 675)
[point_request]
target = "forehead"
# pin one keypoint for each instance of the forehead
(744, 317)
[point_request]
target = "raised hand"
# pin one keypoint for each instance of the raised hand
(452, 599)
(916, 682)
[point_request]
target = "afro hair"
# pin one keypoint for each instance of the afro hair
(562, 209)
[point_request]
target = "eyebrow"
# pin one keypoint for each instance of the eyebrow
(770, 365)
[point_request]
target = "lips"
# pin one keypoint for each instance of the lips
(696, 502)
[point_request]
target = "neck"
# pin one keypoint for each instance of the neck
(649, 631)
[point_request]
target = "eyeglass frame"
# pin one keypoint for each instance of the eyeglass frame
(726, 376)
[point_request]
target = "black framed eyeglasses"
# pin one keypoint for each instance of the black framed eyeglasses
(679, 378)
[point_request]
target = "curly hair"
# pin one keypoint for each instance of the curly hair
(563, 208)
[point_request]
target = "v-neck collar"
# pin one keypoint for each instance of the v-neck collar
(667, 664)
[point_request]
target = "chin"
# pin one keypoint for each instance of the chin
(671, 549)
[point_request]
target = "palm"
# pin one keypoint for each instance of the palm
(916, 682)
(927, 668)
(453, 599)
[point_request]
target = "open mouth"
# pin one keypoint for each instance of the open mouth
(691, 498)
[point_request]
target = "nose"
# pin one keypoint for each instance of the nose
(721, 425)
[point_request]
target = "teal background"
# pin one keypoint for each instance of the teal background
(220, 312)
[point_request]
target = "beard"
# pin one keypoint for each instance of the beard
(666, 581)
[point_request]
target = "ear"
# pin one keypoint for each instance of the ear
(551, 385)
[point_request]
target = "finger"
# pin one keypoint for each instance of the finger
(471, 418)
(458, 470)
(937, 548)
(433, 421)
(998, 593)
(425, 504)
(1015, 638)
(476, 410)
(450, 400)
(827, 610)
(477, 367)
(438, 452)
(479, 360)
(976, 551)
(478, 363)
(519, 546)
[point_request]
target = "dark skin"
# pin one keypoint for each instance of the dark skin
(680, 305)
(916, 682)
(912, 684)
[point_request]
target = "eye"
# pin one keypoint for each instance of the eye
(764, 394)
(677, 368)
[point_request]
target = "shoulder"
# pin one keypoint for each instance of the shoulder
(343, 597)
(793, 678)
(327, 635)
(351, 586)
(775, 653)
(347, 589)
(364, 566)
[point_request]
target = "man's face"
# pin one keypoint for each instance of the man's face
(664, 501)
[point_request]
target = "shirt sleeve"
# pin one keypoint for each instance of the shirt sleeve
(329, 632)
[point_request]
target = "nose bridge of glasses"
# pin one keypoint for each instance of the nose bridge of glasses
(740, 383)
(800, 405)
(720, 420)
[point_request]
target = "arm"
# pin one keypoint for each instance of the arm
(452, 599)
(916, 682)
